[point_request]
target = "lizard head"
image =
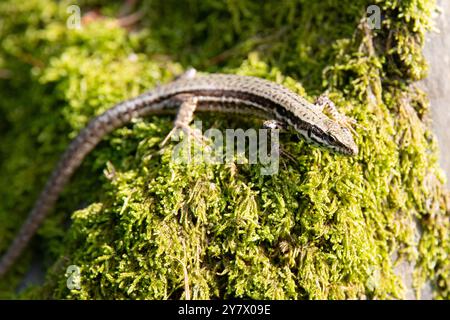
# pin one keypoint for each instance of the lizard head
(339, 138)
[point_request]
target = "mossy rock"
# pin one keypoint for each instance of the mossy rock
(141, 226)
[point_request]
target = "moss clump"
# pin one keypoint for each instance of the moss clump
(143, 226)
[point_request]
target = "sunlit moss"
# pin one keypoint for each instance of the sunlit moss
(145, 227)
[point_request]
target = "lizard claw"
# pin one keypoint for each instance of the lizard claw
(347, 122)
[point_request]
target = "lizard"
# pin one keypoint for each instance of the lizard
(224, 93)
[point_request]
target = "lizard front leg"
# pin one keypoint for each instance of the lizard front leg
(274, 124)
(323, 103)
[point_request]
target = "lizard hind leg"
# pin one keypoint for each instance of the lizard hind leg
(190, 73)
(184, 117)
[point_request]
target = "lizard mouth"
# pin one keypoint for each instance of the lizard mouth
(349, 148)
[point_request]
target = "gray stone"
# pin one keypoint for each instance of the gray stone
(437, 84)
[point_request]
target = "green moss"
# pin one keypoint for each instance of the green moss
(145, 227)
